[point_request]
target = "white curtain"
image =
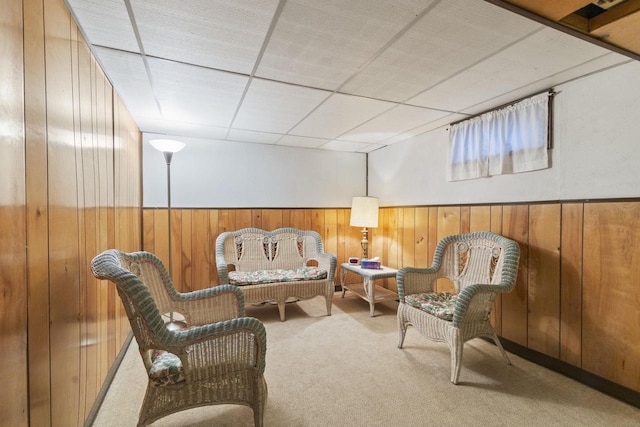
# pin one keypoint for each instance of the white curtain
(509, 140)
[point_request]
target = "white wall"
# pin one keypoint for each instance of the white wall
(596, 153)
(223, 174)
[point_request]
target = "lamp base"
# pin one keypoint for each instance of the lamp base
(365, 243)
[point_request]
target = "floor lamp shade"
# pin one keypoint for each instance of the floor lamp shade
(167, 145)
(364, 213)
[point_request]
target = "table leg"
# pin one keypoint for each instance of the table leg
(343, 275)
(370, 290)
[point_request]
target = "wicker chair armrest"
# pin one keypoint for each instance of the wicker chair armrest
(328, 262)
(221, 265)
(413, 280)
(236, 341)
(466, 298)
(211, 305)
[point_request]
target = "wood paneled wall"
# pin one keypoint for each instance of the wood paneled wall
(576, 294)
(70, 167)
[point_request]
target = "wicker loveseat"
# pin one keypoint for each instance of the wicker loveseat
(277, 265)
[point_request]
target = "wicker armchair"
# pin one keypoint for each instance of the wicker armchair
(218, 359)
(481, 265)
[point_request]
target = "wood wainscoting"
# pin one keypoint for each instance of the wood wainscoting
(576, 295)
(70, 177)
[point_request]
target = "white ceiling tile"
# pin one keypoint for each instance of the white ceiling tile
(546, 53)
(337, 145)
(369, 148)
(323, 43)
(339, 114)
(276, 107)
(196, 94)
(220, 34)
(392, 122)
(443, 121)
(302, 141)
(129, 77)
(105, 23)
(451, 37)
(251, 136)
(168, 127)
(599, 63)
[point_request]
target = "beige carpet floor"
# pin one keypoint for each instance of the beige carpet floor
(346, 370)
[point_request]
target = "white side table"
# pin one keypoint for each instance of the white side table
(368, 291)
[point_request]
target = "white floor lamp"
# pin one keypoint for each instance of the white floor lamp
(168, 147)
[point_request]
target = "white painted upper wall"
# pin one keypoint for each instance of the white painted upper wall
(222, 174)
(596, 153)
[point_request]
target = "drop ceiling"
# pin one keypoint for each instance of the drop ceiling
(350, 76)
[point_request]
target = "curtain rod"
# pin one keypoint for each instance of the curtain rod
(550, 92)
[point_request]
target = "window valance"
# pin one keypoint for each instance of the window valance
(511, 139)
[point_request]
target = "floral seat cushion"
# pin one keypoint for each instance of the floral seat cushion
(440, 304)
(166, 369)
(274, 276)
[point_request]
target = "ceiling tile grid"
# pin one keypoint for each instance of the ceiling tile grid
(451, 37)
(323, 43)
(106, 23)
(220, 34)
(276, 107)
(196, 94)
(323, 74)
(545, 53)
(129, 77)
(339, 114)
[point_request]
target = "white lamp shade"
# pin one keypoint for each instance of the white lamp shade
(364, 212)
(167, 145)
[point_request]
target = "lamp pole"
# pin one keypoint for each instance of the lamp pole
(168, 155)
(168, 147)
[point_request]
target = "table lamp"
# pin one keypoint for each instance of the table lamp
(364, 213)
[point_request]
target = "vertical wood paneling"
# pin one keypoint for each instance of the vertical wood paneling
(63, 217)
(200, 249)
(571, 284)
(515, 225)
(297, 219)
(58, 210)
(611, 293)
(495, 222)
(448, 221)
(148, 230)
(480, 218)
(183, 261)
(244, 219)
(226, 220)
(213, 232)
(408, 247)
(160, 237)
(13, 280)
(544, 279)
(256, 218)
(433, 233)
(448, 225)
(179, 228)
(271, 219)
(37, 218)
(82, 255)
(543, 300)
(421, 237)
(331, 231)
(341, 240)
(465, 219)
